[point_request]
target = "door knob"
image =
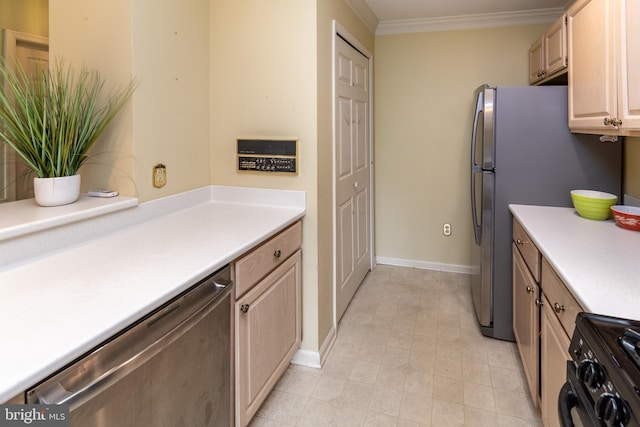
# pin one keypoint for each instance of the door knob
(356, 184)
(529, 289)
(244, 308)
(558, 308)
(277, 253)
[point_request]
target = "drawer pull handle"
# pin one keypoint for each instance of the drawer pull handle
(277, 253)
(539, 303)
(558, 308)
(244, 308)
(520, 242)
(529, 289)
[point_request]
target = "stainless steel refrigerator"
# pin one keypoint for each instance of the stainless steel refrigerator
(523, 153)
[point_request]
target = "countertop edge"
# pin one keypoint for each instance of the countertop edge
(268, 220)
(594, 259)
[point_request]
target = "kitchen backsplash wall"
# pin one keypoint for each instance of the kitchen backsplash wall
(632, 167)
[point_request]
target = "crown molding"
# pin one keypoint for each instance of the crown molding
(467, 22)
(368, 18)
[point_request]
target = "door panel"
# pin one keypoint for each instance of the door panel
(345, 244)
(353, 166)
(362, 225)
(344, 158)
(361, 162)
(32, 52)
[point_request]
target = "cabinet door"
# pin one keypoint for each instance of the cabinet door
(629, 90)
(592, 77)
(268, 329)
(554, 349)
(555, 47)
(526, 321)
(536, 61)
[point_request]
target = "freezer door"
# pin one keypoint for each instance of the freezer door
(482, 135)
(482, 199)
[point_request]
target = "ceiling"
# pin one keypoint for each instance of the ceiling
(394, 10)
(405, 16)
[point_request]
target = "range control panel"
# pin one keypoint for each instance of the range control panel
(268, 155)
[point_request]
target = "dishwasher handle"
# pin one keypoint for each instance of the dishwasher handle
(55, 393)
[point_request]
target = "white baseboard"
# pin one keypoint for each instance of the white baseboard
(424, 265)
(315, 359)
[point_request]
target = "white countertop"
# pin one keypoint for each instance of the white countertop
(597, 260)
(55, 308)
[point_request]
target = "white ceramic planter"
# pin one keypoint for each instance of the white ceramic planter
(56, 191)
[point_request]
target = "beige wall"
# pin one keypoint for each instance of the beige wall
(632, 167)
(171, 106)
(271, 76)
(263, 83)
(98, 35)
(27, 16)
(424, 85)
(164, 45)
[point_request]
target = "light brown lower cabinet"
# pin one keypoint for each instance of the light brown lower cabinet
(554, 351)
(268, 333)
(526, 322)
(543, 321)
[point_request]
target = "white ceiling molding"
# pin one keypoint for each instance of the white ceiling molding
(465, 22)
(368, 18)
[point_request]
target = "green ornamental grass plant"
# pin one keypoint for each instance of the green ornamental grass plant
(52, 119)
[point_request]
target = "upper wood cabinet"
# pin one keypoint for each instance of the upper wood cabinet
(548, 54)
(536, 61)
(604, 59)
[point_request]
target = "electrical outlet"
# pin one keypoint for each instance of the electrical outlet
(159, 175)
(446, 229)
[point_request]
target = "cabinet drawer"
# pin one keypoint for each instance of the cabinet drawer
(529, 251)
(252, 267)
(560, 299)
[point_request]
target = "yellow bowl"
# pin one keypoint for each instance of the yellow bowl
(593, 204)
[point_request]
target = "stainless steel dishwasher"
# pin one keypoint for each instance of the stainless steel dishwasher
(172, 368)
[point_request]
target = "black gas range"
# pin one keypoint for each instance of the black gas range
(603, 379)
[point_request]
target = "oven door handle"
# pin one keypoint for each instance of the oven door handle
(567, 400)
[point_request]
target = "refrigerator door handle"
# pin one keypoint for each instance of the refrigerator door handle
(477, 231)
(474, 131)
(482, 134)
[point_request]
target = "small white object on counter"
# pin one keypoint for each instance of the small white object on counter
(102, 193)
(55, 308)
(597, 260)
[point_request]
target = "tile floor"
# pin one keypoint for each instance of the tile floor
(408, 353)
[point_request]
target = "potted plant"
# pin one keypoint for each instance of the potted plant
(52, 119)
